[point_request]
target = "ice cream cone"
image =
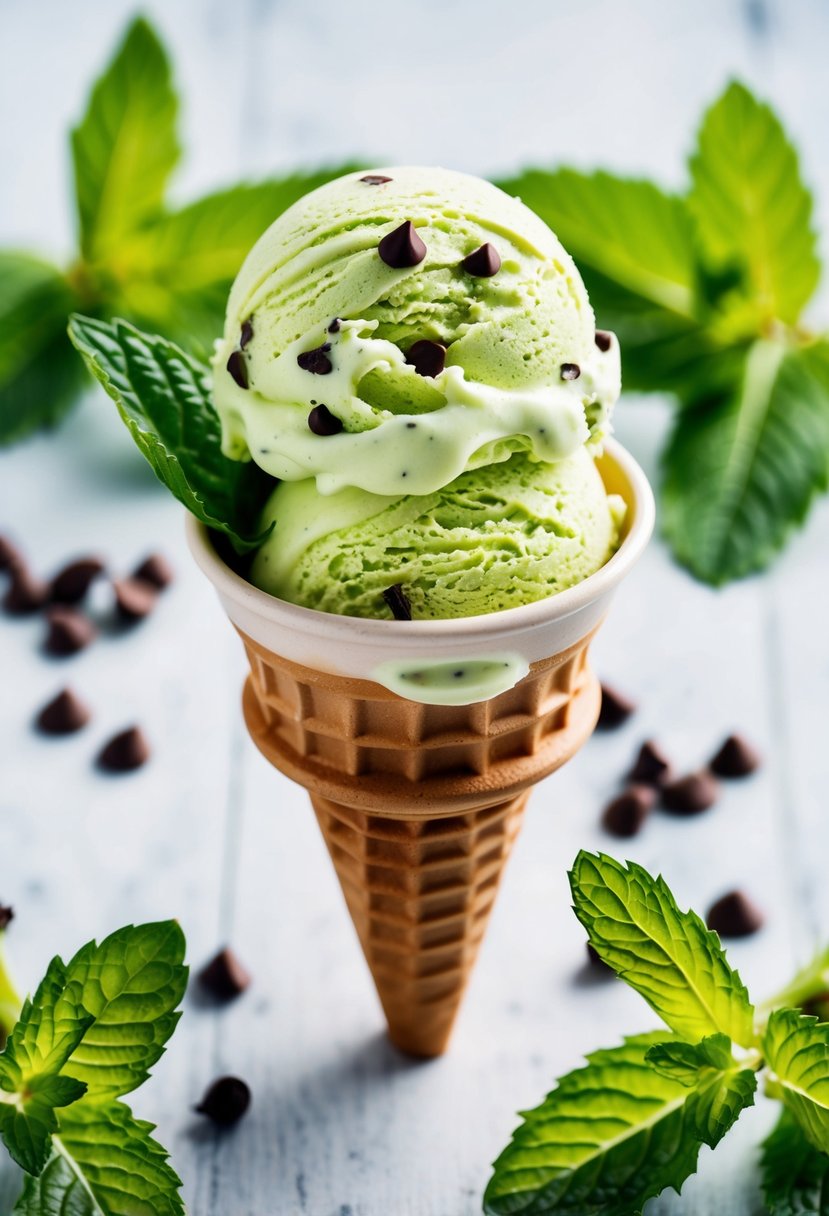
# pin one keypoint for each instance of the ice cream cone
(420, 803)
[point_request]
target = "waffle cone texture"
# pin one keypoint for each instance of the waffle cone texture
(419, 806)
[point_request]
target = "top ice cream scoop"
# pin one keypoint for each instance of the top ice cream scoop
(401, 296)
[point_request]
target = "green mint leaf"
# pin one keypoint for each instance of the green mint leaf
(105, 1163)
(39, 374)
(752, 211)
(130, 984)
(176, 274)
(668, 956)
(10, 1003)
(685, 1061)
(125, 146)
(27, 1124)
(50, 1027)
(742, 468)
(797, 1054)
(725, 1086)
(634, 246)
(163, 396)
(609, 1137)
(795, 1175)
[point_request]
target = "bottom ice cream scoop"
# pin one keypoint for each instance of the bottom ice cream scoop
(524, 532)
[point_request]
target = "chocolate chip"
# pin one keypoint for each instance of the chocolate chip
(652, 767)
(603, 339)
(6, 916)
(134, 598)
(316, 360)
(334, 327)
(596, 960)
(690, 795)
(226, 1101)
(246, 335)
(483, 262)
(616, 708)
(65, 714)
(238, 368)
(124, 752)
(734, 915)
(736, 758)
(156, 570)
(816, 1006)
(398, 602)
(375, 179)
(570, 371)
(428, 358)
(322, 422)
(10, 555)
(71, 584)
(402, 247)
(25, 593)
(69, 631)
(625, 815)
(224, 976)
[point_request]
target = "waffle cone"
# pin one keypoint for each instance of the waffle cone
(419, 806)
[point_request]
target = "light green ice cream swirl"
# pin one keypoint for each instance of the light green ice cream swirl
(473, 488)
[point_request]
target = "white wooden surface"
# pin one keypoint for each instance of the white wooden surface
(340, 1125)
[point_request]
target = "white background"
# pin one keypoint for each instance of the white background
(341, 1125)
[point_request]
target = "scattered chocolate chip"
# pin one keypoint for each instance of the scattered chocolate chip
(334, 327)
(596, 960)
(322, 422)
(734, 915)
(316, 360)
(246, 334)
(65, 714)
(603, 339)
(483, 262)
(690, 795)
(10, 555)
(156, 570)
(652, 767)
(616, 708)
(224, 976)
(398, 602)
(625, 815)
(226, 1101)
(6, 916)
(816, 1006)
(71, 584)
(570, 371)
(25, 593)
(134, 598)
(428, 358)
(124, 752)
(402, 247)
(238, 368)
(375, 179)
(736, 758)
(69, 631)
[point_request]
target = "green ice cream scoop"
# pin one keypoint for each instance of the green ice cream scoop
(393, 329)
(516, 534)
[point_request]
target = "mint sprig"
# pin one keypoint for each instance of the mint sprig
(168, 269)
(90, 1033)
(706, 291)
(163, 396)
(631, 1123)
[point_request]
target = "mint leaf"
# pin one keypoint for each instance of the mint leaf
(50, 1027)
(634, 246)
(608, 1138)
(752, 211)
(667, 955)
(177, 273)
(795, 1175)
(125, 146)
(39, 374)
(130, 984)
(685, 1061)
(105, 1163)
(742, 468)
(27, 1125)
(725, 1086)
(163, 396)
(797, 1055)
(10, 1004)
